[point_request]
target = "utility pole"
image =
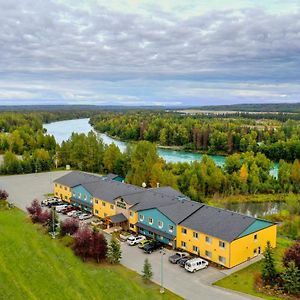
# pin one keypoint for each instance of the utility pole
(162, 253)
(53, 223)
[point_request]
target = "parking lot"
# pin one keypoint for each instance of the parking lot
(23, 189)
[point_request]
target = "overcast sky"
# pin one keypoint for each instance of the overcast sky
(149, 52)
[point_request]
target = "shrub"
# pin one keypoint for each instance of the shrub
(37, 215)
(83, 243)
(291, 278)
(99, 246)
(3, 195)
(292, 254)
(69, 226)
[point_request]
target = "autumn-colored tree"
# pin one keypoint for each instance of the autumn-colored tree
(99, 246)
(292, 254)
(83, 243)
(244, 173)
(69, 226)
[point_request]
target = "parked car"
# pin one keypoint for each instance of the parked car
(60, 208)
(134, 240)
(68, 209)
(84, 216)
(96, 222)
(195, 264)
(177, 256)
(152, 246)
(76, 214)
(181, 262)
(143, 243)
(71, 213)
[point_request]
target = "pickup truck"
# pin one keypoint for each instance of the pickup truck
(152, 246)
(134, 240)
(177, 256)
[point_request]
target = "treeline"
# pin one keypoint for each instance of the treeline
(248, 173)
(277, 140)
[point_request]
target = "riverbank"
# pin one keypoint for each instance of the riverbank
(255, 198)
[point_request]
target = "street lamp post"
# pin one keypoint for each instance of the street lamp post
(162, 289)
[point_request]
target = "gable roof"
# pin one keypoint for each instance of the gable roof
(109, 190)
(256, 226)
(76, 178)
(223, 224)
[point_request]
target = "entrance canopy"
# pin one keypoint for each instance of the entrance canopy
(119, 218)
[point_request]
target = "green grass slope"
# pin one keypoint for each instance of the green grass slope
(33, 266)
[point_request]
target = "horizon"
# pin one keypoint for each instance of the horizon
(141, 53)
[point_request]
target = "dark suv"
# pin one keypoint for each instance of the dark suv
(152, 246)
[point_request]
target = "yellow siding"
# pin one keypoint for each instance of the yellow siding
(243, 249)
(62, 192)
(102, 211)
(132, 220)
(203, 246)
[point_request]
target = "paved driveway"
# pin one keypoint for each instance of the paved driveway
(23, 189)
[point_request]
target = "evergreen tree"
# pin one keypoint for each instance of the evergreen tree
(114, 252)
(291, 278)
(269, 273)
(147, 271)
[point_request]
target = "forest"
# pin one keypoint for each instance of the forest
(276, 139)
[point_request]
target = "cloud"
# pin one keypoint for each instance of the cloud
(67, 51)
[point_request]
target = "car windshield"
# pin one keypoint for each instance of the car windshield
(188, 264)
(131, 239)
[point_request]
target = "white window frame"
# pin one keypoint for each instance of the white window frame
(171, 229)
(103, 204)
(184, 231)
(183, 244)
(221, 258)
(221, 243)
(141, 217)
(162, 224)
(150, 221)
(195, 251)
(208, 240)
(206, 254)
(197, 235)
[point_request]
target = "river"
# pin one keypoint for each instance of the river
(62, 130)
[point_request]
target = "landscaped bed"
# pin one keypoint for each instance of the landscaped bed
(34, 266)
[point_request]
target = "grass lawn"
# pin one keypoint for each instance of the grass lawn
(243, 280)
(33, 266)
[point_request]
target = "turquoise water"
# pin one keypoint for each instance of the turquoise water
(62, 130)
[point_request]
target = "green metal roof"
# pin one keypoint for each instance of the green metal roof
(255, 226)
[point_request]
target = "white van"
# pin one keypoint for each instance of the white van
(195, 264)
(59, 208)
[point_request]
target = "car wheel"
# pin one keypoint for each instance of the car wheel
(150, 252)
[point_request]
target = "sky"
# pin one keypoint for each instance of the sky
(149, 52)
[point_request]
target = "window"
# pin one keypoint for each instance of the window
(183, 231)
(208, 240)
(207, 253)
(65, 188)
(96, 201)
(96, 211)
(195, 235)
(79, 195)
(171, 228)
(222, 260)
(66, 197)
(160, 224)
(222, 244)
(112, 206)
(131, 214)
(195, 249)
(56, 193)
(131, 226)
(255, 252)
(60, 186)
(150, 220)
(85, 197)
(141, 217)
(103, 204)
(150, 233)
(255, 237)
(183, 244)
